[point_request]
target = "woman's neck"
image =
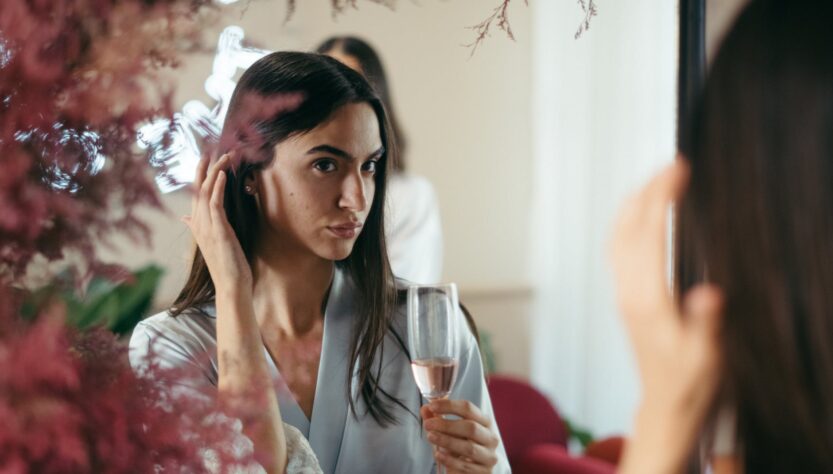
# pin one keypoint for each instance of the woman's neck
(289, 291)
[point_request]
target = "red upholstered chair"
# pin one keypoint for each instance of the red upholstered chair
(524, 415)
(608, 449)
(549, 458)
(534, 436)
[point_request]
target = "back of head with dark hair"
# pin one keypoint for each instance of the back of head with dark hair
(757, 221)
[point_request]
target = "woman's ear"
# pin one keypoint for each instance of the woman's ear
(250, 184)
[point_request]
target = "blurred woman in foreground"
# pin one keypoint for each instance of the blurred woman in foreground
(747, 355)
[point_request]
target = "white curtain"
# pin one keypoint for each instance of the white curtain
(604, 114)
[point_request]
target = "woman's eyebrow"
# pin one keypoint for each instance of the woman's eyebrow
(377, 154)
(341, 153)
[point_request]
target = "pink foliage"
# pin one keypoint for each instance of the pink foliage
(77, 77)
(242, 131)
(69, 402)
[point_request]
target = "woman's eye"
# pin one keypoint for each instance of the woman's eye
(325, 166)
(371, 166)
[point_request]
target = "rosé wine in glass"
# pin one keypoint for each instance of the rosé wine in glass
(435, 377)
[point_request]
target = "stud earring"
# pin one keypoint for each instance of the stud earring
(249, 189)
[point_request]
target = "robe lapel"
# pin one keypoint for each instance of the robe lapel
(331, 406)
(290, 410)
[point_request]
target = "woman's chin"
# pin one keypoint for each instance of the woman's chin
(337, 252)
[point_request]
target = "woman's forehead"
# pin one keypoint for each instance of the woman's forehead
(353, 128)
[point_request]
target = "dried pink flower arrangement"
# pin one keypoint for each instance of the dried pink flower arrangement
(76, 79)
(69, 403)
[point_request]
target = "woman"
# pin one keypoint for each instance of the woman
(414, 229)
(291, 283)
(750, 350)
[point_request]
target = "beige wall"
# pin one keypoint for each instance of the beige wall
(468, 125)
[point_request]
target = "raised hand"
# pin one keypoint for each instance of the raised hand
(676, 349)
(209, 225)
(243, 373)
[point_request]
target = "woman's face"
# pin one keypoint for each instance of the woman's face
(317, 193)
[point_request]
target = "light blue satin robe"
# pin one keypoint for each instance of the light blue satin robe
(343, 443)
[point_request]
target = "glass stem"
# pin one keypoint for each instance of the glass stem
(440, 468)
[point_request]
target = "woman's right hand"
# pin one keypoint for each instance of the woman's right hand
(677, 349)
(209, 225)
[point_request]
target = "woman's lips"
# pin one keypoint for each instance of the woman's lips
(345, 231)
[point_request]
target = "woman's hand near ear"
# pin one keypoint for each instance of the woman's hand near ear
(244, 380)
(210, 227)
(676, 349)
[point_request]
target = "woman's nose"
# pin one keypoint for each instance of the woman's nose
(354, 193)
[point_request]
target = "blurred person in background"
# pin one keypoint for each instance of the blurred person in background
(415, 239)
(743, 360)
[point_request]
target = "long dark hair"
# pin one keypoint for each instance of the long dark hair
(757, 221)
(373, 70)
(323, 85)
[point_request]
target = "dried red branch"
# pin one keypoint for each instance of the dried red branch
(590, 11)
(499, 16)
(338, 6)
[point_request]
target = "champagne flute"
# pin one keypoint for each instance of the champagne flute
(433, 335)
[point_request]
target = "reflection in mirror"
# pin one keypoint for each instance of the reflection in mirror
(529, 146)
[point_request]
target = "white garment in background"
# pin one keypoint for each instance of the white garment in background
(414, 230)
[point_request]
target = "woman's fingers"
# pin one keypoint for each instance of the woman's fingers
(202, 169)
(467, 444)
(205, 186)
(702, 306)
(454, 464)
(217, 196)
(666, 188)
(703, 310)
(210, 178)
(199, 177)
(463, 448)
(646, 212)
(462, 408)
(653, 203)
(640, 243)
(426, 413)
(463, 429)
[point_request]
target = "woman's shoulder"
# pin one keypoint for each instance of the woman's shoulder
(186, 322)
(173, 338)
